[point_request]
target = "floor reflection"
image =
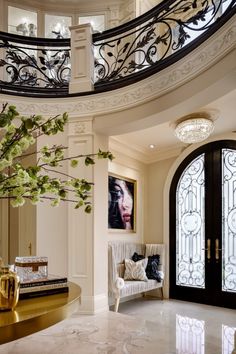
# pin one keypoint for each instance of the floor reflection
(190, 336)
(228, 339)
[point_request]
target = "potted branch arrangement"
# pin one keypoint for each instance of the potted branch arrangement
(42, 181)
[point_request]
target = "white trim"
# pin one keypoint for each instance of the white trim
(144, 155)
(93, 304)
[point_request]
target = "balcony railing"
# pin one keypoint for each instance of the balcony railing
(123, 55)
(34, 65)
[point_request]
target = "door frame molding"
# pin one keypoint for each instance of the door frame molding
(166, 192)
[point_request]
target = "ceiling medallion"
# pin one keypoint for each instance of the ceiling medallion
(194, 128)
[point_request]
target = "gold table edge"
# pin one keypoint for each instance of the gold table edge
(29, 326)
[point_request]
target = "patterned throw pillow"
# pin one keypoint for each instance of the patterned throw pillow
(135, 270)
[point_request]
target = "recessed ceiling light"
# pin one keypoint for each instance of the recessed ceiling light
(152, 146)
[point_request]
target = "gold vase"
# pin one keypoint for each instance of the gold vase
(9, 289)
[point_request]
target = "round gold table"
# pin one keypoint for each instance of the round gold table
(32, 315)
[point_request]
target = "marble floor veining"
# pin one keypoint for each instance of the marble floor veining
(142, 326)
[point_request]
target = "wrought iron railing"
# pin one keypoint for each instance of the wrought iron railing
(34, 65)
(123, 55)
(156, 39)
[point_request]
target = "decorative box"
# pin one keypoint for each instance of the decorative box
(31, 268)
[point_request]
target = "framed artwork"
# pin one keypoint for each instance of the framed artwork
(121, 203)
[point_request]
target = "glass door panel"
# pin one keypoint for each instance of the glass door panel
(190, 226)
(228, 220)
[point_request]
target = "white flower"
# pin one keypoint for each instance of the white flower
(4, 163)
(19, 201)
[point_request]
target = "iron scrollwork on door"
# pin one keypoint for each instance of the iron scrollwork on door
(229, 220)
(190, 222)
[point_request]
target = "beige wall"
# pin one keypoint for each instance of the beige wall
(143, 6)
(51, 224)
(157, 173)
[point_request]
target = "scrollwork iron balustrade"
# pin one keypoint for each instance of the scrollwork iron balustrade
(30, 66)
(146, 43)
(133, 51)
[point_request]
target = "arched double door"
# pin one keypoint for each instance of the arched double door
(203, 226)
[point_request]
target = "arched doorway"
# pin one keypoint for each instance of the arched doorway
(203, 226)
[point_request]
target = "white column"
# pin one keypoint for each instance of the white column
(87, 233)
(82, 59)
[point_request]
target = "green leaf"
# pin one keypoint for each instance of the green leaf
(88, 209)
(29, 124)
(89, 161)
(79, 204)
(74, 163)
(4, 120)
(62, 193)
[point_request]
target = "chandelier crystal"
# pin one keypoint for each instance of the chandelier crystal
(194, 130)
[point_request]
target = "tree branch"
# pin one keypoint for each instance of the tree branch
(55, 171)
(38, 152)
(4, 106)
(47, 198)
(69, 158)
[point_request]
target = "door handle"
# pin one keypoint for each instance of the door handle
(208, 249)
(217, 249)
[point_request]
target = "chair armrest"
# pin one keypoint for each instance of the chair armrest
(119, 283)
(162, 275)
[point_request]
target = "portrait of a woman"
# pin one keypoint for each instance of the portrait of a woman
(121, 203)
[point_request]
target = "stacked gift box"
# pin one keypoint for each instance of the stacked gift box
(35, 280)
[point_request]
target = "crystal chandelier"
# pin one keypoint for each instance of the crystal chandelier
(193, 130)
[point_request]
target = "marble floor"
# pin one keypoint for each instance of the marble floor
(143, 326)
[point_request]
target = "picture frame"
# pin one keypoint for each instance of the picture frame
(121, 203)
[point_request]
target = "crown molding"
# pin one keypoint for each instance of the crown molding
(145, 155)
(202, 58)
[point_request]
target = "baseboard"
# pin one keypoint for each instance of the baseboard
(91, 305)
(111, 301)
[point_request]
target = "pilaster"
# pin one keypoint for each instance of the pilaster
(82, 59)
(87, 242)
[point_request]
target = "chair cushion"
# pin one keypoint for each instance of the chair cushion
(136, 287)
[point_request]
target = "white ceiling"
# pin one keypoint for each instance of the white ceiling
(136, 144)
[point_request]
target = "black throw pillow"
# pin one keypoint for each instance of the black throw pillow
(137, 257)
(152, 266)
